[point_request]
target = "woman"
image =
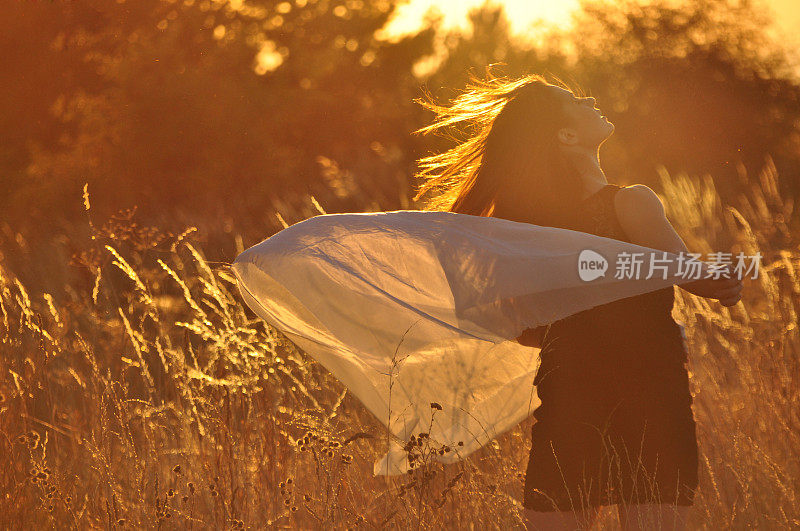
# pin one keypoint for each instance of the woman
(615, 425)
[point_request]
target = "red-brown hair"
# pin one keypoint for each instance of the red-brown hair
(509, 166)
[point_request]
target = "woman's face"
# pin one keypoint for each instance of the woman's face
(585, 125)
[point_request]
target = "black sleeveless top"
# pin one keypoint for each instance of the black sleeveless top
(639, 330)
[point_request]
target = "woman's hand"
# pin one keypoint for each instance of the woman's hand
(726, 290)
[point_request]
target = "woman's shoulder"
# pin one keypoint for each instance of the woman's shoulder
(613, 210)
(636, 198)
(637, 207)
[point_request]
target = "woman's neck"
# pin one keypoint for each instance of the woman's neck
(588, 165)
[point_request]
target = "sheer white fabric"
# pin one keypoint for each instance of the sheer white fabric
(408, 308)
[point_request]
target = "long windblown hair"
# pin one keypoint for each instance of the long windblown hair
(510, 165)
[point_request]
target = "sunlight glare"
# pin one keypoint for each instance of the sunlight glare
(408, 17)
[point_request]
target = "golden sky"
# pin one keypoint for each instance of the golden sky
(523, 13)
(529, 19)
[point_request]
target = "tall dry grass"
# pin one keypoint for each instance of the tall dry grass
(137, 391)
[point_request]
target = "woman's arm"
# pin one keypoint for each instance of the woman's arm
(642, 217)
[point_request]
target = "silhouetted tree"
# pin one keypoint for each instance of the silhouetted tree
(215, 107)
(199, 109)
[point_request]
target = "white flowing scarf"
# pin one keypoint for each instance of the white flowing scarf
(412, 308)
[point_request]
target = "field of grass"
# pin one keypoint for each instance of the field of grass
(136, 390)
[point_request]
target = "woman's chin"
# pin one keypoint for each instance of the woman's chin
(607, 134)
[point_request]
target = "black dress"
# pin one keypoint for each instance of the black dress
(615, 424)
